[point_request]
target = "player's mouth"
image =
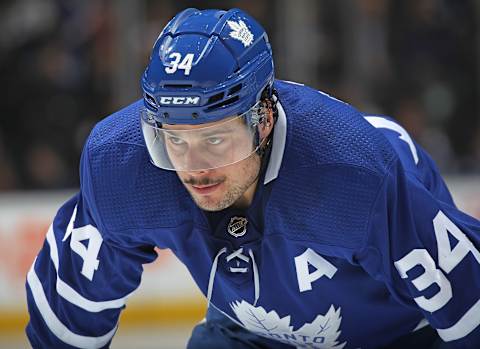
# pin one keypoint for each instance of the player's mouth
(206, 189)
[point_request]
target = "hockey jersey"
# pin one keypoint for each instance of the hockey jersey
(352, 239)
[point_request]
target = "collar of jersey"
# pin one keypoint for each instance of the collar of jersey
(278, 146)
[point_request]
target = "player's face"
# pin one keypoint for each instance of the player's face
(208, 146)
(218, 188)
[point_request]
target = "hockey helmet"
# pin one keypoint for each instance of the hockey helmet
(202, 87)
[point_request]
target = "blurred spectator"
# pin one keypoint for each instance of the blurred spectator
(63, 68)
(7, 174)
(45, 168)
(434, 54)
(53, 81)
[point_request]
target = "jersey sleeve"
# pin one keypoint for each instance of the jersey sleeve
(427, 253)
(81, 279)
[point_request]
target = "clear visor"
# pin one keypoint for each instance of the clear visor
(205, 146)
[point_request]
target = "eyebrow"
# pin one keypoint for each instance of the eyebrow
(214, 133)
(204, 134)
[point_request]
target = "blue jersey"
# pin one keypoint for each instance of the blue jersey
(352, 239)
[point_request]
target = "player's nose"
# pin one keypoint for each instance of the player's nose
(197, 162)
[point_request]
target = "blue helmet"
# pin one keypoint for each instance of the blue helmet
(207, 65)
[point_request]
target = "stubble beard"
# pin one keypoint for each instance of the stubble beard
(250, 171)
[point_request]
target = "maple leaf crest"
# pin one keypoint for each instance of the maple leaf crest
(258, 320)
(321, 333)
(241, 32)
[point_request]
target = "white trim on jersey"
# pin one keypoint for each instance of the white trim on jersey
(68, 293)
(467, 323)
(379, 122)
(423, 323)
(69, 229)
(55, 325)
(278, 147)
(293, 82)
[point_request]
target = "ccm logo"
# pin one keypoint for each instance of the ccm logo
(180, 100)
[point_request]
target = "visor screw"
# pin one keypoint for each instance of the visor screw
(194, 115)
(165, 115)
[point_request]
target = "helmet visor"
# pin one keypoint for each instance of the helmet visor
(202, 147)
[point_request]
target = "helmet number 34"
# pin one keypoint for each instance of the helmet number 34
(178, 63)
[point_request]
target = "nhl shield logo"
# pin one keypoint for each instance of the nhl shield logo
(237, 226)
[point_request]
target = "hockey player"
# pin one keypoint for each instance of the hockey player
(304, 222)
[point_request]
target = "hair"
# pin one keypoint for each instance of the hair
(269, 102)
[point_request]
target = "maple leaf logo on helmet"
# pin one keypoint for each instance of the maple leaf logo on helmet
(241, 32)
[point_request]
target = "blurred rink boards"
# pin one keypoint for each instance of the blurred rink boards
(160, 314)
(167, 304)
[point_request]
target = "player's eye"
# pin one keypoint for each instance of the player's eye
(176, 140)
(214, 140)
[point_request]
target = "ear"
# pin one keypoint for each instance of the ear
(266, 127)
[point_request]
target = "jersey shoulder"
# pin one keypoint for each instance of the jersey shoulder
(333, 166)
(322, 130)
(125, 189)
(122, 126)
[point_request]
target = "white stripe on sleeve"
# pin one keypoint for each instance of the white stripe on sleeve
(467, 323)
(55, 325)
